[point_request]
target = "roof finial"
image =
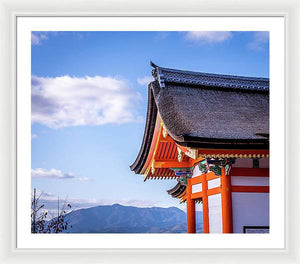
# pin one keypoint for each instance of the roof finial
(153, 64)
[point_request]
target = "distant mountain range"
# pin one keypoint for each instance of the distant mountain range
(128, 219)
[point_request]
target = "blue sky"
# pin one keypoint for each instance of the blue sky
(89, 99)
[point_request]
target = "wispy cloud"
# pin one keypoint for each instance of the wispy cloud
(33, 136)
(210, 37)
(260, 40)
(83, 179)
(162, 35)
(51, 174)
(144, 80)
(74, 101)
(56, 174)
(50, 201)
(45, 195)
(37, 38)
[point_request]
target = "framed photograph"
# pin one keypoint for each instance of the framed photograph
(140, 133)
(75, 107)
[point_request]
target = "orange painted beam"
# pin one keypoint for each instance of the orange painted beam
(171, 164)
(213, 191)
(211, 176)
(196, 180)
(255, 172)
(153, 147)
(190, 209)
(205, 205)
(183, 149)
(196, 195)
(166, 139)
(253, 189)
(226, 199)
(197, 160)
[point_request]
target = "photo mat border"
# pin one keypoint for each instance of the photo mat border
(9, 12)
(274, 24)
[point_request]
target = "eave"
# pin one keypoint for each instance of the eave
(159, 149)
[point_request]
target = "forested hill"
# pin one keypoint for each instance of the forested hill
(128, 219)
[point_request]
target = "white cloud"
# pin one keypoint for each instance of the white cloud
(145, 80)
(55, 174)
(160, 35)
(33, 136)
(37, 37)
(42, 194)
(260, 39)
(51, 174)
(73, 101)
(50, 201)
(83, 179)
(201, 37)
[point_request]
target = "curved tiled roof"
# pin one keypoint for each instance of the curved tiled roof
(177, 190)
(191, 114)
(208, 111)
(148, 133)
(171, 76)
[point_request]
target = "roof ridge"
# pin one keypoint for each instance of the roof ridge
(216, 74)
(168, 75)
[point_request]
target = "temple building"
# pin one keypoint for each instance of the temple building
(210, 132)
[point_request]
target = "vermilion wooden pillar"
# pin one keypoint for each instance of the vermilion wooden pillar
(226, 202)
(190, 209)
(205, 204)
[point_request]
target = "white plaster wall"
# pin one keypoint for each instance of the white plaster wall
(196, 171)
(215, 213)
(249, 209)
(197, 188)
(249, 181)
(213, 183)
(199, 218)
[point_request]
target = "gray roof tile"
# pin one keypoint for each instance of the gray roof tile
(165, 75)
(205, 110)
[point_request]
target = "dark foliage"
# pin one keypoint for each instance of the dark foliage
(39, 222)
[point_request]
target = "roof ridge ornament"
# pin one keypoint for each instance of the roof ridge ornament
(152, 64)
(157, 74)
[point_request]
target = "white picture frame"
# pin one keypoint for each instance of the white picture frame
(12, 9)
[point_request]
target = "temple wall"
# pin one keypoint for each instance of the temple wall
(197, 188)
(249, 181)
(264, 163)
(213, 183)
(215, 213)
(248, 163)
(249, 209)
